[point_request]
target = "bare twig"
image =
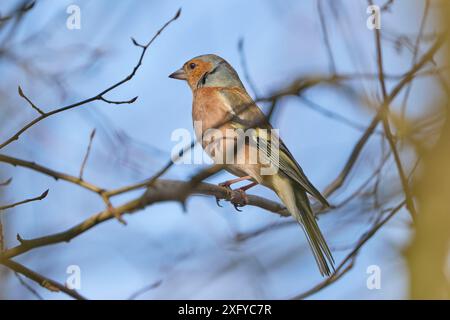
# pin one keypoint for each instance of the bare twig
(9, 206)
(245, 70)
(332, 115)
(86, 156)
(5, 183)
(40, 279)
(30, 102)
(2, 237)
(415, 53)
(145, 289)
(52, 173)
(387, 5)
(20, 11)
(326, 39)
(119, 102)
(99, 96)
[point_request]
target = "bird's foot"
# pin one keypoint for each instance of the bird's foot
(226, 185)
(239, 199)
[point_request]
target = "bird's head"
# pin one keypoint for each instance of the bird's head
(208, 70)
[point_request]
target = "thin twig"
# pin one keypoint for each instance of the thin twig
(39, 198)
(245, 70)
(145, 289)
(5, 183)
(387, 129)
(326, 39)
(47, 283)
(29, 101)
(415, 53)
(2, 237)
(20, 11)
(52, 173)
(28, 287)
(86, 156)
(332, 115)
(99, 96)
(119, 102)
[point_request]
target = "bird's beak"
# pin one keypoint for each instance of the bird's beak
(179, 74)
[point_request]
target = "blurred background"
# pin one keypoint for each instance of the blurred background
(211, 252)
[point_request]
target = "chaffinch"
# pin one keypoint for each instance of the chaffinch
(220, 102)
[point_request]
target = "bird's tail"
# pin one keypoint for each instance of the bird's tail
(298, 205)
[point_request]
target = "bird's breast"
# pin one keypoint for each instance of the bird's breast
(209, 110)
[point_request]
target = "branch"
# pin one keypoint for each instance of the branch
(99, 96)
(40, 279)
(161, 191)
(52, 173)
(63, 176)
(39, 198)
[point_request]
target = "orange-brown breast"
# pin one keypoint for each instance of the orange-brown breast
(210, 108)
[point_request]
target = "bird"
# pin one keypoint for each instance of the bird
(221, 102)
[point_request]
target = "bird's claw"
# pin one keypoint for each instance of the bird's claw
(236, 207)
(226, 185)
(239, 199)
(218, 202)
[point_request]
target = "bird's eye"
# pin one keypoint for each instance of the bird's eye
(192, 66)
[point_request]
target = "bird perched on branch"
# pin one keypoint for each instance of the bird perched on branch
(221, 103)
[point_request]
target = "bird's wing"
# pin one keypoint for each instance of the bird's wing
(246, 114)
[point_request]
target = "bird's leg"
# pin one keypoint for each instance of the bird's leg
(251, 185)
(228, 183)
(239, 197)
